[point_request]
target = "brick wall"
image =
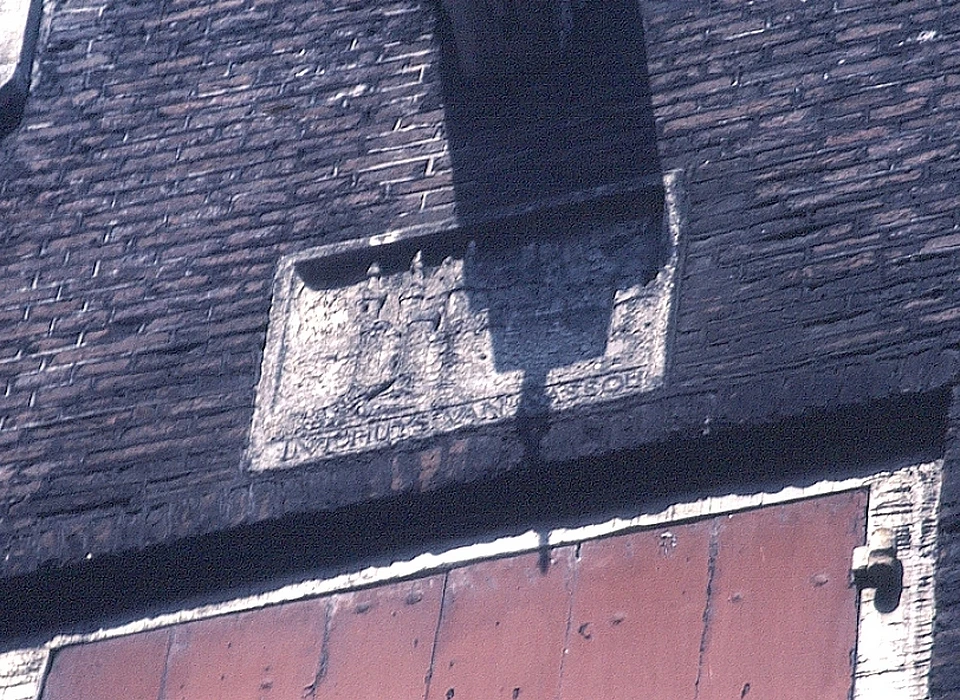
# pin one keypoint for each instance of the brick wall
(171, 152)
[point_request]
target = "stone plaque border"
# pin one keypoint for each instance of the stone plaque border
(639, 368)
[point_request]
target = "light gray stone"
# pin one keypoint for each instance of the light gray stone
(393, 339)
(19, 26)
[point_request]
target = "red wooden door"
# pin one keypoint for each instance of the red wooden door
(748, 605)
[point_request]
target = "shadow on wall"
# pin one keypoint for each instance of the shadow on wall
(899, 431)
(547, 103)
(543, 98)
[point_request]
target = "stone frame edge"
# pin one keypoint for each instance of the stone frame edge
(256, 458)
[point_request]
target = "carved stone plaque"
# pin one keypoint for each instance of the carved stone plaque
(395, 338)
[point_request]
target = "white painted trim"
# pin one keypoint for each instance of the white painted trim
(894, 648)
(893, 657)
(19, 28)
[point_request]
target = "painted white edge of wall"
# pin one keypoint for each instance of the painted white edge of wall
(13, 25)
(19, 28)
(894, 649)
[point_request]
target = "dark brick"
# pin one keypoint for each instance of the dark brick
(197, 143)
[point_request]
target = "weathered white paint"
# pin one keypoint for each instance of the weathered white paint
(21, 672)
(19, 23)
(13, 22)
(894, 649)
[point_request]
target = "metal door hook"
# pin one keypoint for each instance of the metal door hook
(876, 566)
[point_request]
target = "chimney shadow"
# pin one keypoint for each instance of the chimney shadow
(543, 98)
(552, 143)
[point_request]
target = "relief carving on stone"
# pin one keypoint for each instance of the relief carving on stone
(385, 341)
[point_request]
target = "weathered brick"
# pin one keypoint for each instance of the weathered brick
(180, 150)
